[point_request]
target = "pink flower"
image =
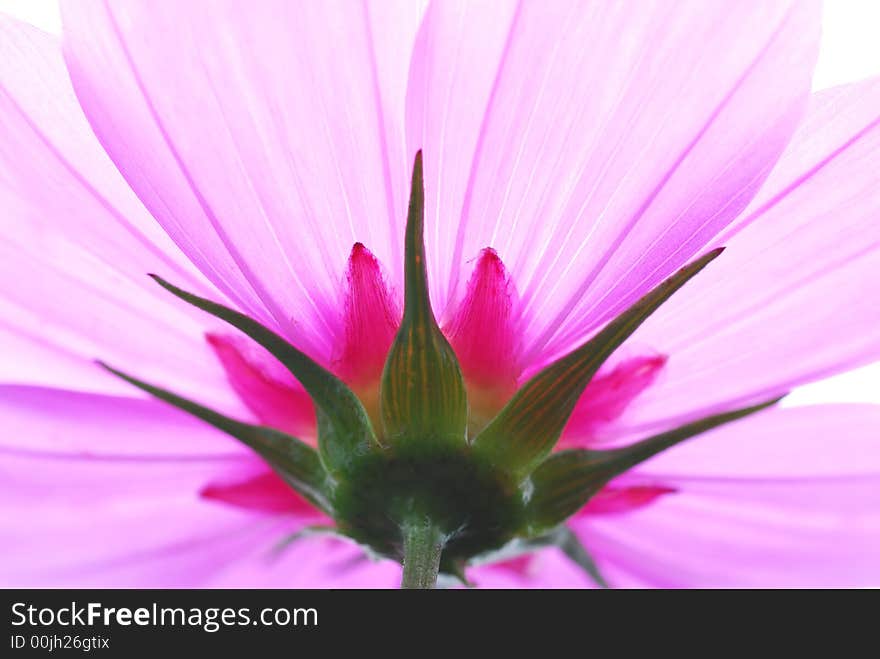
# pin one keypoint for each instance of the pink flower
(576, 154)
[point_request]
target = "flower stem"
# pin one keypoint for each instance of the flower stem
(422, 546)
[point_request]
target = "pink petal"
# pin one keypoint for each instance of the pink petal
(35, 420)
(77, 244)
(483, 332)
(548, 568)
(266, 138)
(608, 395)
(794, 297)
(311, 562)
(264, 385)
(264, 492)
(786, 498)
(371, 317)
(597, 147)
(121, 522)
(821, 441)
(137, 494)
(779, 535)
(42, 119)
(613, 499)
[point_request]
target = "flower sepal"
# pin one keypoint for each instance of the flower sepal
(529, 426)
(344, 429)
(560, 537)
(565, 481)
(422, 396)
(297, 463)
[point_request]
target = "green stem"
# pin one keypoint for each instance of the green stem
(422, 546)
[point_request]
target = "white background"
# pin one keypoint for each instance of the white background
(850, 51)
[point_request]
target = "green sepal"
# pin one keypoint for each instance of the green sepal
(560, 537)
(344, 429)
(422, 395)
(529, 426)
(565, 481)
(570, 545)
(293, 460)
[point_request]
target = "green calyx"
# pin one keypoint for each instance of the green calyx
(417, 490)
(422, 395)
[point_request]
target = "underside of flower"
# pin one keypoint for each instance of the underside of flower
(432, 463)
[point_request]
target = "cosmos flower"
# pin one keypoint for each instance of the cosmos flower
(440, 234)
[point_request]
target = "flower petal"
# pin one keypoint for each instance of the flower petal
(820, 441)
(615, 499)
(77, 244)
(786, 498)
(371, 317)
(485, 337)
(268, 389)
(310, 562)
(37, 420)
(482, 330)
(794, 296)
(597, 146)
(130, 489)
(265, 492)
(265, 137)
(121, 522)
(548, 568)
(617, 384)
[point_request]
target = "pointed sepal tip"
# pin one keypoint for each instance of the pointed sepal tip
(422, 397)
(565, 481)
(528, 427)
(344, 428)
(296, 462)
